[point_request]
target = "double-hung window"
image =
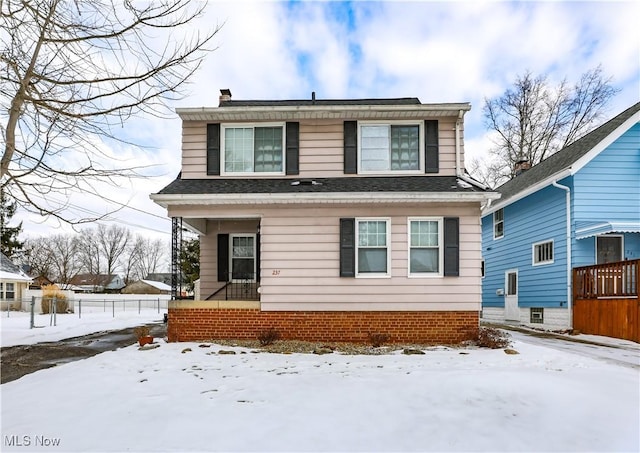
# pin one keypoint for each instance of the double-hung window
(425, 246)
(390, 147)
(498, 224)
(373, 237)
(543, 253)
(253, 149)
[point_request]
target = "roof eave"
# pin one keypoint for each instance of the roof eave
(320, 112)
(165, 200)
(528, 191)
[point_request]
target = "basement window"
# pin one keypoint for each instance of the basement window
(536, 316)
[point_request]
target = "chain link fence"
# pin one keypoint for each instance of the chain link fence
(92, 303)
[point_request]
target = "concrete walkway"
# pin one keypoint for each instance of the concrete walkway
(611, 350)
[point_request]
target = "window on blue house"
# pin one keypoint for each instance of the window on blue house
(543, 253)
(498, 224)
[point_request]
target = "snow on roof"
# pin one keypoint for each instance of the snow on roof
(10, 276)
(159, 285)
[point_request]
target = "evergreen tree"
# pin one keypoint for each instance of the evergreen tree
(190, 262)
(9, 243)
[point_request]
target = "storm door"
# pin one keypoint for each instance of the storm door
(511, 310)
(608, 249)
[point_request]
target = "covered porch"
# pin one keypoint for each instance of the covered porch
(229, 257)
(605, 299)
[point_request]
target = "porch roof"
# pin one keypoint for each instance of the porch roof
(367, 189)
(594, 228)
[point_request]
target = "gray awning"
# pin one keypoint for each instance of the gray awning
(588, 229)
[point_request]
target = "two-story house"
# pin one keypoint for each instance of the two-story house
(579, 209)
(328, 220)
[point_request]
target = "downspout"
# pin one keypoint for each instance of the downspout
(458, 121)
(569, 275)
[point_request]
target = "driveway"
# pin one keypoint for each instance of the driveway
(18, 361)
(610, 350)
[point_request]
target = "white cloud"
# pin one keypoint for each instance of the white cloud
(437, 51)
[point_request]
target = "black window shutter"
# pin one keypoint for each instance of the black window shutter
(223, 258)
(350, 147)
(451, 246)
(347, 247)
(213, 149)
(432, 158)
(293, 148)
(258, 257)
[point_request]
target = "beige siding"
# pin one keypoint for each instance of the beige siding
(300, 260)
(321, 149)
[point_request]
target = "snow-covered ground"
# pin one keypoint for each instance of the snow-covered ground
(16, 328)
(174, 399)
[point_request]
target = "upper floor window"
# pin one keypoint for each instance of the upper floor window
(253, 149)
(543, 253)
(498, 224)
(425, 246)
(372, 239)
(390, 147)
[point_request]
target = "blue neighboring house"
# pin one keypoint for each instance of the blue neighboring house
(582, 202)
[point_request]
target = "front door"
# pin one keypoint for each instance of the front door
(511, 310)
(243, 257)
(608, 249)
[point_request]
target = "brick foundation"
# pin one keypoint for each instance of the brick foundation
(423, 327)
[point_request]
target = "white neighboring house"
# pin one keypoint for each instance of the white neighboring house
(13, 283)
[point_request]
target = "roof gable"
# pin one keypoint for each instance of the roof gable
(570, 158)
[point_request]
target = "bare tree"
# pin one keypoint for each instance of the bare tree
(63, 249)
(75, 71)
(153, 253)
(532, 120)
(38, 257)
(89, 256)
(112, 243)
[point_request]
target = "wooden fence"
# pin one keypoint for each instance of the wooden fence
(605, 300)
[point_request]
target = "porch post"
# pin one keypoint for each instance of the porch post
(176, 248)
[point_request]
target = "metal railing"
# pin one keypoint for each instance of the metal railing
(239, 286)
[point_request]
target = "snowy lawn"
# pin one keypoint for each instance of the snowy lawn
(446, 400)
(16, 327)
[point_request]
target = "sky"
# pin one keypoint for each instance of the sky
(437, 51)
(552, 395)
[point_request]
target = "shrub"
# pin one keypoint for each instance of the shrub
(489, 337)
(141, 331)
(49, 292)
(377, 339)
(268, 336)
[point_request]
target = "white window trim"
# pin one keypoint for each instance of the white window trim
(494, 224)
(357, 247)
(595, 245)
(421, 133)
(223, 130)
(533, 253)
(255, 257)
(440, 272)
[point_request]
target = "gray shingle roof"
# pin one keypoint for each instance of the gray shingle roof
(299, 102)
(323, 185)
(7, 265)
(564, 158)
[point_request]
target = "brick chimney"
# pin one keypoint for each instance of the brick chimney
(521, 166)
(225, 95)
